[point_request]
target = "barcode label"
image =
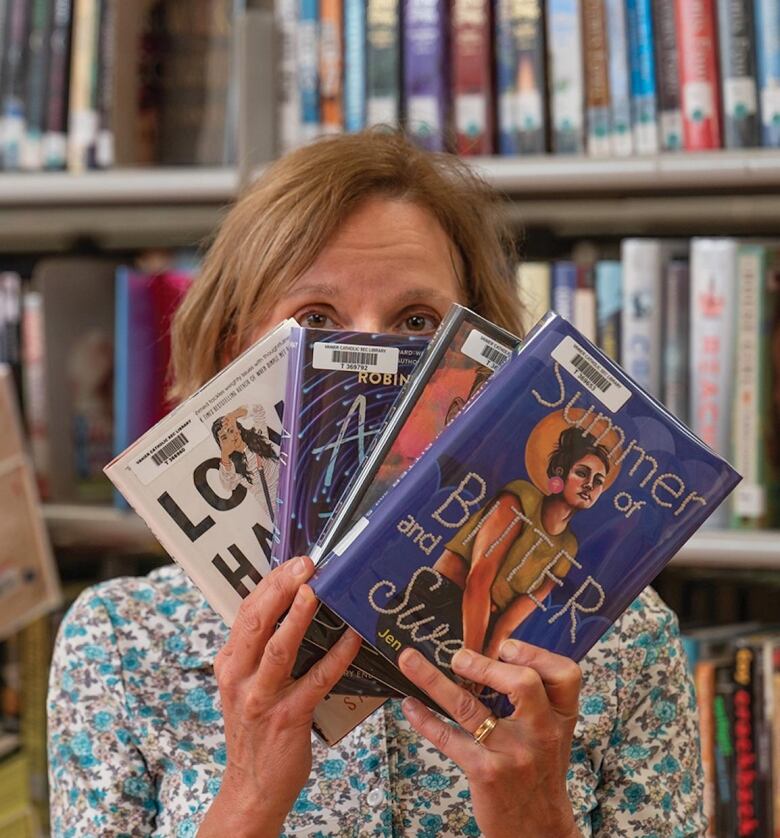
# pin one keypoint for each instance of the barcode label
(167, 449)
(576, 360)
(355, 358)
(485, 350)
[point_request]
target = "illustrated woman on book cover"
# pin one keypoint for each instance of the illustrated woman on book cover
(247, 458)
(165, 721)
(511, 553)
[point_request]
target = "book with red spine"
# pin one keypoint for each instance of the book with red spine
(698, 46)
(331, 71)
(472, 83)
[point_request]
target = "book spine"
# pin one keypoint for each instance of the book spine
(621, 138)
(35, 87)
(597, 92)
(585, 303)
(383, 62)
(698, 74)
(749, 506)
(641, 321)
(739, 92)
(426, 76)
(642, 63)
(288, 103)
(770, 383)
(354, 65)
(472, 85)
(774, 689)
(82, 122)
(55, 142)
(676, 340)
(331, 90)
(564, 57)
(668, 70)
(308, 69)
(520, 77)
(564, 284)
(609, 305)
(767, 20)
(704, 680)
(725, 756)
(533, 291)
(104, 141)
(748, 810)
(34, 385)
(713, 281)
(12, 106)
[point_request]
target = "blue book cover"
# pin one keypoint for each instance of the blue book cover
(564, 284)
(520, 77)
(354, 65)
(609, 306)
(340, 387)
(308, 68)
(539, 513)
(642, 67)
(767, 17)
(426, 72)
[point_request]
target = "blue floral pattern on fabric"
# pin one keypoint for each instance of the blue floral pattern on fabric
(137, 747)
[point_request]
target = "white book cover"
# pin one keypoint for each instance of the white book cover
(205, 478)
(289, 98)
(642, 267)
(713, 303)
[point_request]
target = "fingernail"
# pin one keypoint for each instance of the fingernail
(509, 649)
(301, 566)
(411, 707)
(410, 658)
(463, 658)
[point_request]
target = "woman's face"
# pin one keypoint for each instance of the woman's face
(390, 268)
(229, 435)
(584, 482)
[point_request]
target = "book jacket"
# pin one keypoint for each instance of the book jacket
(340, 387)
(539, 513)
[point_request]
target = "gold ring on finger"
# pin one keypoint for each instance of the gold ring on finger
(485, 729)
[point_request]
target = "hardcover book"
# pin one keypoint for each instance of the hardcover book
(713, 302)
(582, 491)
(472, 75)
(533, 289)
(676, 340)
(383, 62)
(597, 89)
(668, 68)
(308, 69)
(520, 77)
(696, 29)
(643, 81)
(204, 480)
(609, 307)
(354, 65)
(340, 387)
(566, 82)
(767, 15)
(426, 72)
(331, 91)
(543, 529)
(621, 138)
(738, 88)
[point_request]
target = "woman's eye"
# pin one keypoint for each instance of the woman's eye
(420, 323)
(314, 320)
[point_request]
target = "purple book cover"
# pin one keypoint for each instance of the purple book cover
(340, 386)
(426, 72)
(540, 513)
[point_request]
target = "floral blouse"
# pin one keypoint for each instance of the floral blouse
(137, 745)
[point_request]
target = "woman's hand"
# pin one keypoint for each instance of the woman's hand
(517, 775)
(268, 714)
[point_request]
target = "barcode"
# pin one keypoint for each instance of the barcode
(495, 356)
(591, 373)
(170, 449)
(345, 356)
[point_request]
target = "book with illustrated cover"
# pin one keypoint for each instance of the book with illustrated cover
(562, 482)
(340, 387)
(204, 480)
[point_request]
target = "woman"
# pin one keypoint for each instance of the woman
(163, 722)
(497, 557)
(257, 471)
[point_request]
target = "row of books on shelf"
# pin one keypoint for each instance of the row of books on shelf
(602, 77)
(401, 462)
(696, 323)
(93, 83)
(736, 671)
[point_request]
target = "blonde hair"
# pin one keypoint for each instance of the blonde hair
(279, 226)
